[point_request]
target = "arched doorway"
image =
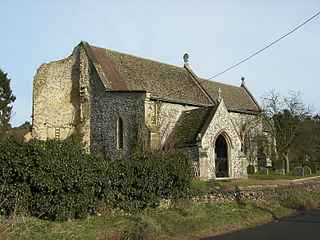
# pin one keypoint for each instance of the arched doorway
(221, 157)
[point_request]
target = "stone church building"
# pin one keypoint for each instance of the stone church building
(122, 102)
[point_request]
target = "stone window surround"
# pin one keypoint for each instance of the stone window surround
(120, 137)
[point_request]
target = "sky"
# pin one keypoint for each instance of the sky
(215, 33)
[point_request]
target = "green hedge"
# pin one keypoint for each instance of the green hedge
(55, 180)
(139, 182)
(51, 180)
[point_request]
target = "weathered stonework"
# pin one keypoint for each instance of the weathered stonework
(55, 98)
(129, 106)
(123, 103)
(162, 116)
(251, 125)
(261, 193)
(221, 124)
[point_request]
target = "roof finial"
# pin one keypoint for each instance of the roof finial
(186, 58)
(219, 95)
(242, 79)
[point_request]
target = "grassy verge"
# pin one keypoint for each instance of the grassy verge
(185, 220)
(273, 176)
(202, 184)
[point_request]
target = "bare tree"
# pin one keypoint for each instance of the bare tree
(283, 116)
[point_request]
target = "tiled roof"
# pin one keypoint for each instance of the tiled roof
(128, 72)
(189, 124)
(235, 98)
(16, 132)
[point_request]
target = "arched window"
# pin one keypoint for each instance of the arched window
(244, 139)
(119, 133)
(245, 144)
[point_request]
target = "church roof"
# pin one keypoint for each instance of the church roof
(235, 98)
(124, 72)
(188, 126)
(128, 72)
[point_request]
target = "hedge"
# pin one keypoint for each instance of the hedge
(51, 180)
(140, 182)
(58, 181)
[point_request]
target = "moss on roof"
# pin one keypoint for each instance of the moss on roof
(188, 127)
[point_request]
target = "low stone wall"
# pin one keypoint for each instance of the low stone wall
(260, 193)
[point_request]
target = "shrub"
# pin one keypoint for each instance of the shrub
(52, 179)
(142, 180)
(58, 181)
(14, 167)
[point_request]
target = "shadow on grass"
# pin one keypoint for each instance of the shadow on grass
(274, 216)
(240, 203)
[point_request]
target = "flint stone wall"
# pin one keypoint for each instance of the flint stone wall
(261, 193)
(106, 108)
(222, 124)
(254, 125)
(56, 98)
(161, 116)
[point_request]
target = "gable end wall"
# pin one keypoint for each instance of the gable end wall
(56, 98)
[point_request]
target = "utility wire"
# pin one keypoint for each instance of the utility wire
(256, 53)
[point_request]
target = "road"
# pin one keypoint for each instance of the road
(303, 227)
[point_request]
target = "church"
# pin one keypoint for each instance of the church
(122, 103)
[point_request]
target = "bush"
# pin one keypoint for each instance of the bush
(58, 181)
(14, 166)
(52, 179)
(142, 180)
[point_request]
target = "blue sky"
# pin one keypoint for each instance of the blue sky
(215, 33)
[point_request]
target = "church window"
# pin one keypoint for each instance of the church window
(120, 133)
(244, 140)
(245, 144)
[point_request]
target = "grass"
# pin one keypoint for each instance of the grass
(273, 176)
(184, 220)
(203, 184)
(256, 176)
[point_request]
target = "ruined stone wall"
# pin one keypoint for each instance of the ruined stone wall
(106, 108)
(56, 98)
(222, 124)
(61, 98)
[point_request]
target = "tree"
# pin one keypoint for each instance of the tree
(307, 142)
(284, 116)
(6, 99)
(25, 125)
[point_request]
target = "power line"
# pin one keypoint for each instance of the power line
(256, 53)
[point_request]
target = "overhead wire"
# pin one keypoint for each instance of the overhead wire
(274, 42)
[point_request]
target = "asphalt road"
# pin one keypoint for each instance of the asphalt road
(303, 227)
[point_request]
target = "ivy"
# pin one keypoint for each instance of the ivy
(58, 181)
